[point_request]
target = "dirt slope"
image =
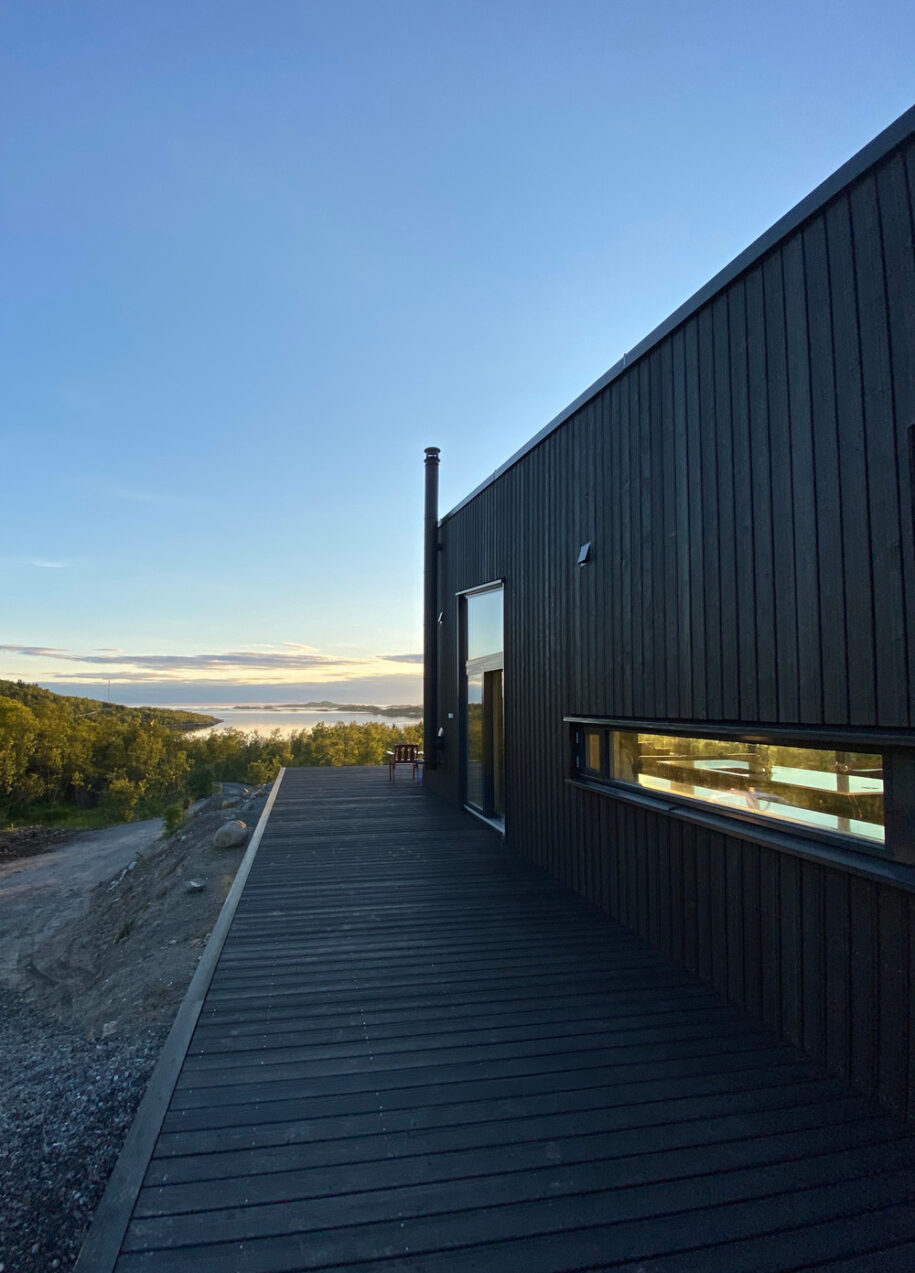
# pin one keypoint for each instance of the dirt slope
(104, 933)
(98, 942)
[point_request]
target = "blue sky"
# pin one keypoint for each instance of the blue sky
(255, 257)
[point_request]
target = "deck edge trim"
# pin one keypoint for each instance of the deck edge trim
(102, 1246)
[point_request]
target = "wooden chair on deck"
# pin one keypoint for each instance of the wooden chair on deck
(404, 754)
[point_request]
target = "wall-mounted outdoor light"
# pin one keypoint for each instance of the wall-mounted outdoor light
(584, 554)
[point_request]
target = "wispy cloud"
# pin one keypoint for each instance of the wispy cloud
(140, 495)
(401, 658)
(38, 651)
(268, 664)
(34, 563)
(254, 659)
(130, 677)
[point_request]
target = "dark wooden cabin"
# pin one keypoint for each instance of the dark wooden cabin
(670, 644)
(669, 651)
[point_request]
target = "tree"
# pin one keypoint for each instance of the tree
(18, 736)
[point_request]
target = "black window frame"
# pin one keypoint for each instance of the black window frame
(602, 772)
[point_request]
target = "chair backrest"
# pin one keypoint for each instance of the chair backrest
(404, 751)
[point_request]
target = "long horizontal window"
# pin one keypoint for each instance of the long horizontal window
(837, 792)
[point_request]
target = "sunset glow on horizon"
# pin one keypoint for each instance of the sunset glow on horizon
(268, 668)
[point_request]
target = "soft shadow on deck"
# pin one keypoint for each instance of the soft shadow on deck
(419, 1053)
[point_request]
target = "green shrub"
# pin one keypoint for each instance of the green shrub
(201, 781)
(120, 801)
(174, 816)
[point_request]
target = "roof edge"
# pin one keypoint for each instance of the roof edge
(876, 149)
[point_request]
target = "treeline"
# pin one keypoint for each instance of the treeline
(233, 756)
(46, 703)
(79, 760)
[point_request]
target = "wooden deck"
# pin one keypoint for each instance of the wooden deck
(418, 1053)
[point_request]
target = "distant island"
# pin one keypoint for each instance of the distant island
(325, 705)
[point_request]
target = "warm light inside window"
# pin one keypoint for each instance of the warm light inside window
(592, 751)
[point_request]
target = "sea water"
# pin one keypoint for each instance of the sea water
(264, 718)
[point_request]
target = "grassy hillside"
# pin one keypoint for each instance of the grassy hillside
(32, 696)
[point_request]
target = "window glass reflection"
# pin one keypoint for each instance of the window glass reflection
(475, 739)
(839, 791)
(484, 624)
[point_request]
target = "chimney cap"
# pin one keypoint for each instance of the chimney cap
(432, 451)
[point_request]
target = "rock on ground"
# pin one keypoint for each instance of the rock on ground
(230, 835)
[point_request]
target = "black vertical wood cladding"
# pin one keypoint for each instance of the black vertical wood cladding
(746, 491)
(896, 222)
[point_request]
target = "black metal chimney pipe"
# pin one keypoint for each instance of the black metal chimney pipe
(430, 618)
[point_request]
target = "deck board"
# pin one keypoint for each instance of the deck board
(418, 1052)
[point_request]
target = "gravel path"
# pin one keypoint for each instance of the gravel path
(65, 1106)
(41, 893)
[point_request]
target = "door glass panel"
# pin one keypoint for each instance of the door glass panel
(484, 624)
(494, 719)
(475, 740)
(483, 707)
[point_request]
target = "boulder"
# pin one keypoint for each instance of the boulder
(229, 835)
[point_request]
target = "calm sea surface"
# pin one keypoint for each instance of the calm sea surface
(262, 719)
